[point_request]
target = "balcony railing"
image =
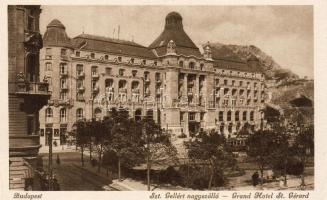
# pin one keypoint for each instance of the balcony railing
(36, 88)
(136, 91)
(95, 75)
(63, 73)
(64, 87)
(109, 89)
(80, 74)
(81, 88)
(122, 90)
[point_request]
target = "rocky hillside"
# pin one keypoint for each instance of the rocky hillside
(272, 69)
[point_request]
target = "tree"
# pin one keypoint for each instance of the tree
(212, 150)
(261, 146)
(157, 147)
(303, 147)
(82, 137)
(125, 140)
(101, 132)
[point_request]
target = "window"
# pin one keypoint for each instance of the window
(119, 59)
(92, 55)
(63, 52)
(237, 116)
(80, 97)
(63, 68)
(181, 64)
(108, 71)
(149, 114)
(79, 114)
(244, 116)
(63, 95)
(191, 116)
(155, 63)
(63, 84)
(241, 102)
(221, 116)
(48, 66)
(233, 102)
(229, 116)
(217, 82)
(77, 54)
(241, 83)
(79, 83)
(225, 82)
(146, 76)
(201, 66)
(48, 51)
(251, 116)
(202, 116)
(30, 125)
(63, 115)
(79, 69)
(48, 115)
(181, 116)
(191, 65)
(158, 76)
(144, 62)
(121, 72)
(134, 73)
(94, 70)
(106, 57)
(233, 82)
(30, 22)
(109, 83)
(225, 103)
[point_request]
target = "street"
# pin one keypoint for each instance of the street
(72, 177)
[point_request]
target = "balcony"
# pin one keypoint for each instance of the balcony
(135, 91)
(32, 88)
(95, 89)
(66, 102)
(95, 76)
(63, 74)
(80, 75)
(122, 90)
(64, 87)
(81, 88)
(109, 89)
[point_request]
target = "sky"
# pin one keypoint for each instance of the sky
(283, 32)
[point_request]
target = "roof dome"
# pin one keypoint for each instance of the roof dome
(173, 31)
(55, 35)
(56, 23)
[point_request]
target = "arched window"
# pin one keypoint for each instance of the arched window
(97, 113)
(181, 64)
(63, 115)
(122, 84)
(79, 114)
(229, 116)
(138, 115)
(251, 116)
(237, 116)
(221, 116)
(244, 116)
(191, 65)
(48, 114)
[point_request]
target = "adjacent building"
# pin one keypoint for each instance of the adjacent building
(27, 94)
(172, 81)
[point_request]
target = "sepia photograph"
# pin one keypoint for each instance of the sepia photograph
(161, 98)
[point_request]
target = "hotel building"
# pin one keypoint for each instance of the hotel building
(182, 88)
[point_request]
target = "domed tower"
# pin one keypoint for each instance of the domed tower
(55, 68)
(174, 33)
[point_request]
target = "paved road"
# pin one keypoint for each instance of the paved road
(72, 177)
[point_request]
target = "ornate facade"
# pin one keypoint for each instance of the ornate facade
(27, 94)
(182, 88)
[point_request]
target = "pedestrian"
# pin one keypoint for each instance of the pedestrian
(255, 179)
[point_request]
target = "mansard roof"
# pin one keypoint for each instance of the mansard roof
(55, 35)
(174, 31)
(225, 58)
(110, 45)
